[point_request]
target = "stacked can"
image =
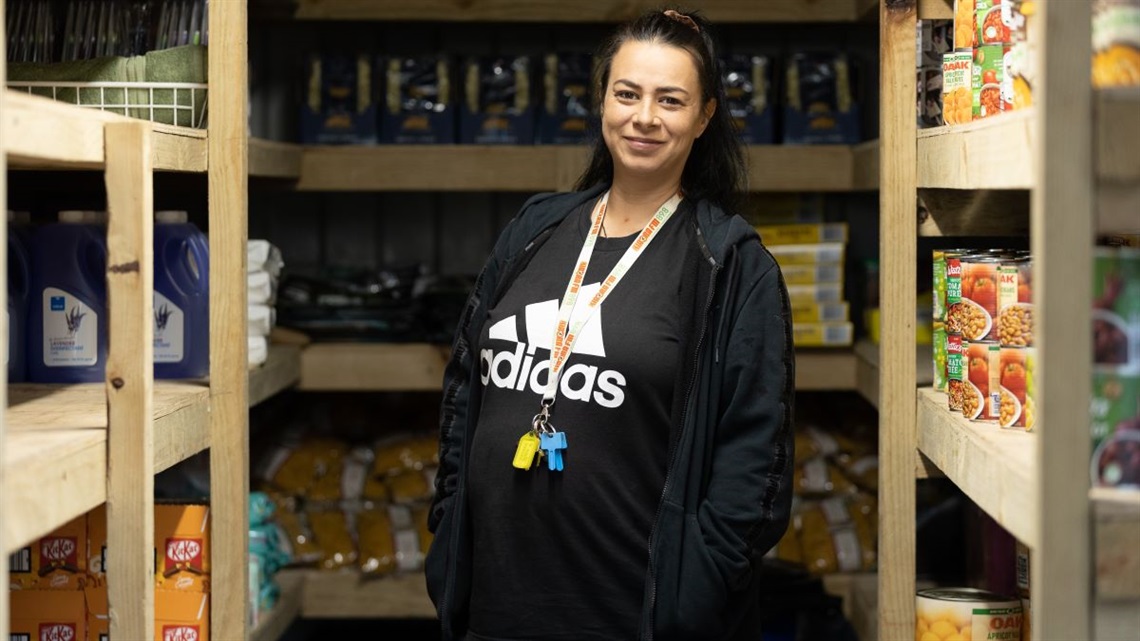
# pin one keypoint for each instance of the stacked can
(1015, 331)
(942, 258)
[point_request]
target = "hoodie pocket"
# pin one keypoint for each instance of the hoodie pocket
(694, 581)
(437, 563)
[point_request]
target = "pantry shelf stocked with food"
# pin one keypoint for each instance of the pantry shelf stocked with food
(1008, 418)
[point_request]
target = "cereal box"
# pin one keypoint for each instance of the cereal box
(987, 74)
(56, 561)
(42, 615)
(957, 82)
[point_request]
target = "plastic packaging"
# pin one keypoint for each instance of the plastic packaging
(181, 298)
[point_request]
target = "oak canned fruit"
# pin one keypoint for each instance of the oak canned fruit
(957, 87)
(960, 614)
(981, 399)
(965, 25)
(1017, 407)
(1116, 43)
(1015, 303)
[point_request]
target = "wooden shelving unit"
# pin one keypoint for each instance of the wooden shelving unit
(371, 367)
(867, 366)
(719, 11)
(273, 625)
(269, 159)
(1075, 152)
(828, 168)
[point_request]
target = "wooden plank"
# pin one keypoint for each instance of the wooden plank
(35, 407)
(1061, 242)
(719, 11)
(373, 367)
(1116, 518)
(865, 166)
(897, 256)
(825, 370)
(47, 134)
(270, 159)
(1116, 207)
(1116, 621)
(992, 466)
(550, 167)
(273, 624)
(867, 369)
(1118, 135)
(130, 380)
(936, 9)
(281, 371)
(329, 595)
(229, 388)
(981, 212)
(7, 509)
(994, 153)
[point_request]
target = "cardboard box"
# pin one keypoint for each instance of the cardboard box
(808, 254)
(57, 561)
(181, 543)
(47, 615)
(802, 234)
(826, 293)
(338, 107)
(820, 313)
(822, 334)
(818, 274)
(179, 616)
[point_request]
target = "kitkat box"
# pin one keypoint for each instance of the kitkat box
(178, 616)
(57, 561)
(181, 544)
(42, 615)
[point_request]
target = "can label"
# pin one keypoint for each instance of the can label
(1017, 409)
(940, 360)
(169, 331)
(955, 371)
(996, 624)
(939, 286)
(1015, 319)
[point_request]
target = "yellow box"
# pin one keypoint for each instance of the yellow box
(178, 616)
(822, 334)
(814, 274)
(57, 561)
(39, 615)
(787, 255)
(820, 312)
(802, 234)
(807, 294)
(181, 544)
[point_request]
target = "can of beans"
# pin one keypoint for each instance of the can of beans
(1016, 408)
(941, 259)
(966, 613)
(981, 398)
(972, 312)
(939, 344)
(1015, 303)
(955, 371)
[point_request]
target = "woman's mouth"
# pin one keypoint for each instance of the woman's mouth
(642, 144)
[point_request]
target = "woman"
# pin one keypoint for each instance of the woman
(616, 437)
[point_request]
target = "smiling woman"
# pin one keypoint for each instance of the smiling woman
(619, 475)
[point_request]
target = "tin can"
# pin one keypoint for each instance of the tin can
(991, 23)
(1017, 407)
(966, 613)
(1116, 43)
(1015, 320)
(955, 371)
(941, 258)
(939, 362)
(957, 87)
(981, 399)
(1116, 368)
(972, 308)
(987, 76)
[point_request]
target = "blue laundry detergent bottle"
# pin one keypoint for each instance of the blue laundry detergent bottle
(67, 304)
(19, 271)
(181, 298)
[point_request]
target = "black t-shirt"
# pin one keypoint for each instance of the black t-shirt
(563, 555)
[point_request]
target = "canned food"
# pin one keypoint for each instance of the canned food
(981, 399)
(1016, 409)
(1116, 43)
(965, 613)
(1116, 367)
(941, 256)
(1022, 570)
(955, 371)
(965, 25)
(987, 75)
(1015, 303)
(939, 344)
(957, 91)
(971, 312)
(991, 23)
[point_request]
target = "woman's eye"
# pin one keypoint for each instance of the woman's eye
(669, 100)
(625, 95)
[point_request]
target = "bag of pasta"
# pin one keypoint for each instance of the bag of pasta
(333, 532)
(839, 535)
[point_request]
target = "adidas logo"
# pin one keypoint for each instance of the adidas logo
(516, 369)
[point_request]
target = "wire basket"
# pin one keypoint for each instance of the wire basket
(171, 103)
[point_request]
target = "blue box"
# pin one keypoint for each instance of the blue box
(417, 101)
(338, 106)
(820, 107)
(748, 89)
(566, 115)
(498, 106)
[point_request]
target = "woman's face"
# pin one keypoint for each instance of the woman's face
(652, 110)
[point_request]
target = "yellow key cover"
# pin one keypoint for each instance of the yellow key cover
(524, 454)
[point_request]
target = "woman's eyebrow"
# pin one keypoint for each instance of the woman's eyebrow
(633, 85)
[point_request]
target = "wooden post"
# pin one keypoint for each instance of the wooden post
(897, 246)
(1062, 239)
(3, 325)
(229, 406)
(130, 380)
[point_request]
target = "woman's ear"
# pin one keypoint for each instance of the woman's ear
(706, 115)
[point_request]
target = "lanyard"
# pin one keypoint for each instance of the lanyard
(565, 334)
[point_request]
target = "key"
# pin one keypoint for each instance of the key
(526, 451)
(553, 444)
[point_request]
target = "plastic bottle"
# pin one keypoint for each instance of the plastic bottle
(181, 298)
(19, 271)
(67, 304)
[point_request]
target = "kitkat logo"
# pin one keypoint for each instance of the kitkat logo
(184, 553)
(59, 550)
(180, 633)
(57, 632)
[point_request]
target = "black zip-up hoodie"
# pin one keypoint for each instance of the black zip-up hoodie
(728, 487)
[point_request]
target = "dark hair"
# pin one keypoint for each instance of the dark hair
(715, 169)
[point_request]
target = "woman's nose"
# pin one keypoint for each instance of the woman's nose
(645, 114)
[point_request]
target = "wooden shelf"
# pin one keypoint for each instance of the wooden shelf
(270, 159)
(349, 595)
(867, 369)
(995, 153)
(936, 9)
(393, 367)
(55, 455)
(39, 133)
(994, 467)
(831, 168)
(719, 11)
(273, 624)
(1118, 159)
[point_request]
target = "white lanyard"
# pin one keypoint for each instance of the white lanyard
(565, 334)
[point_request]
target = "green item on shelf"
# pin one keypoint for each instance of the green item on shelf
(179, 64)
(109, 69)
